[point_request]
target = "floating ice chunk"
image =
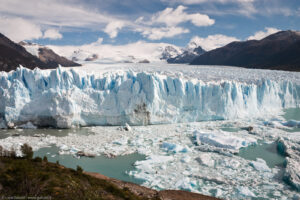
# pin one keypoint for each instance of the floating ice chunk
(205, 159)
(274, 124)
(222, 140)
(186, 184)
(260, 165)
(154, 159)
(28, 125)
(185, 159)
(64, 147)
(244, 192)
(281, 124)
(121, 141)
(292, 123)
(175, 148)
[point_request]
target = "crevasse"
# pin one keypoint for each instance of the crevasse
(64, 97)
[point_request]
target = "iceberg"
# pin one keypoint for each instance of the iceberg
(222, 140)
(67, 97)
(260, 165)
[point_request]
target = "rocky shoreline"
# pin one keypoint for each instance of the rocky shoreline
(148, 193)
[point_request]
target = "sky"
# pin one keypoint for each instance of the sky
(209, 23)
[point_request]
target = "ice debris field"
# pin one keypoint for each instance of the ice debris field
(198, 119)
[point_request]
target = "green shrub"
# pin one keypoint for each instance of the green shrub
(27, 151)
(45, 159)
(79, 169)
(37, 159)
(13, 153)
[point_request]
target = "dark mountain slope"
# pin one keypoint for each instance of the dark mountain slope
(278, 51)
(48, 56)
(12, 55)
(187, 56)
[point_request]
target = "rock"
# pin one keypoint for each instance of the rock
(144, 61)
(92, 58)
(10, 125)
(127, 127)
(82, 153)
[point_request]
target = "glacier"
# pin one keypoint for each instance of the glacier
(67, 97)
(223, 109)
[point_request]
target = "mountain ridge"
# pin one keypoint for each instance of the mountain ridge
(12, 55)
(187, 56)
(277, 51)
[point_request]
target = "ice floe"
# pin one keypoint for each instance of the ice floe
(174, 160)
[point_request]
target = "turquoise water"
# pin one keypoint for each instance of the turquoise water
(230, 129)
(111, 167)
(4, 133)
(292, 114)
(267, 152)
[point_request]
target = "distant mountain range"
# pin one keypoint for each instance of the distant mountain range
(12, 55)
(278, 51)
(139, 52)
(187, 56)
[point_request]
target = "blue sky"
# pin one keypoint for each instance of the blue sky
(78, 22)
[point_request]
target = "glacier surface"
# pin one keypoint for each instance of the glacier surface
(71, 97)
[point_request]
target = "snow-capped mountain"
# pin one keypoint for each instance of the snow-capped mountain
(188, 55)
(47, 55)
(170, 52)
(130, 53)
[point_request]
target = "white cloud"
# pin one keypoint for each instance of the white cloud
(173, 17)
(52, 34)
(262, 34)
(247, 8)
(18, 29)
(164, 24)
(56, 13)
(192, 2)
(241, 7)
(73, 15)
(237, 7)
(66, 14)
(164, 32)
(212, 41)
(113, 28)
(98, 42)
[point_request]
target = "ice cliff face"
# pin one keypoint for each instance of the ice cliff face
(64, 97)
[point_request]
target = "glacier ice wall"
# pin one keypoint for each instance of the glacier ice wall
(65, 97)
